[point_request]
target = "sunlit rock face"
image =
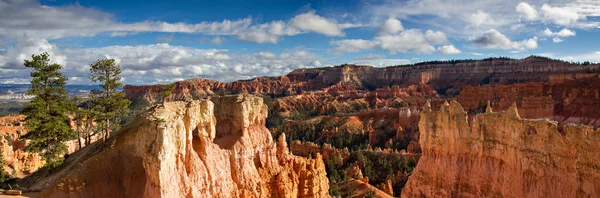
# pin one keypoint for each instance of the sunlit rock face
(501, 155)
(199, 148)
(447, 78)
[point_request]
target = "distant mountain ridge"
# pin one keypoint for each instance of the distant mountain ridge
(446, 77)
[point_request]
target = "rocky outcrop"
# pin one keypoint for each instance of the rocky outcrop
(568, 99)
(502, 155)
(17, 162)
(199, 148)
(308, 149)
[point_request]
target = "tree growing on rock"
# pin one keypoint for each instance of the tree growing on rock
(110, 105)
(165, 91)
(47, 114)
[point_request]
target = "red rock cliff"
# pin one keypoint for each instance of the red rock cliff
(502, 155)
(445, 77)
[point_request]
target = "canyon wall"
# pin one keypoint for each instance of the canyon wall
(565, 98)
(445, 77)
(502, 155)
(199, 148)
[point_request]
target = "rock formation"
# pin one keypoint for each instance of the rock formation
(445, 77)
(199, 148)
(502, 155)
(568, 99)
(17, 162)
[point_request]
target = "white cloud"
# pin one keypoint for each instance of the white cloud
(391, 26)
(480, 18)
(23, 48)
(51, 22)
(436, 37)
(515, 16)
(394, 39)
(557, 40)
(370, 57)
(448, 49)
(496, 40)
(353, 45)
(561, 15)
(411, 40)
(475, 53)
(143, 64)
(527, 11)
(562, 33)
(591, 56)
(314, 23)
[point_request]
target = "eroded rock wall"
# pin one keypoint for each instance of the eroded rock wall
(198, 148)
(502, 155)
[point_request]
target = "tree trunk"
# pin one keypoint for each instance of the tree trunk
(78, 135)
(107, 129)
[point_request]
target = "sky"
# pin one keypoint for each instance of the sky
(166, 41)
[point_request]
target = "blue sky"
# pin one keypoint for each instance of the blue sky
(166, 41)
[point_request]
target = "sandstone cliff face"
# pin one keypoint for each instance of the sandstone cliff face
(566, 99)
(17, 162)
(502, 155)
(199, 148)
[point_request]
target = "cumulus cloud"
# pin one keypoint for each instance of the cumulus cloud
(448, 49)
(557, 40)
(353, 45)
(314, 23)
(52, 22)
(436, 37)
(480, 18)
(394, 39)
(561, 15)
(391, 26)
(23, 48)
(453, 18)
(160, 63)
(412, 40)
(496, 40)
(527, 11)
(562, 33)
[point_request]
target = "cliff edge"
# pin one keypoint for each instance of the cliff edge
(200, 148)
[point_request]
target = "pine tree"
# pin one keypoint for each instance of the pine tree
(110, 105)
(3, 175)
(47, 114)
(165, 91)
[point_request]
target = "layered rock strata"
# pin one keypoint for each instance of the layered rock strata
(501, 155)
(446, 77)
(199, 148)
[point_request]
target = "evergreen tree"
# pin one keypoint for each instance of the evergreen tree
(80, 115)
(110, 105)
(3, 175)
(165, 91)
(47, 114)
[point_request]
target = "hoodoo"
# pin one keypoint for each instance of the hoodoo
(498, 154)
